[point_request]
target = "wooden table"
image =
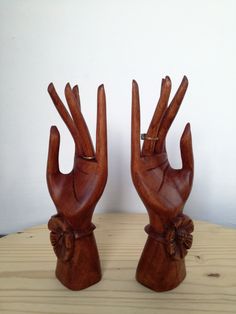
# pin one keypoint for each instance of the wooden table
(28, 285)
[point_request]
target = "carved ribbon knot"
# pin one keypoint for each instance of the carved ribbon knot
(63, 237)
(178, 236)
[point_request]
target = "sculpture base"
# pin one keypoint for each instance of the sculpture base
(157, 270)
(83, 269)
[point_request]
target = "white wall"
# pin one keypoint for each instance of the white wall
(112, 42)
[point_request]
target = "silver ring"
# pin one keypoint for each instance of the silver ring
(145, 137)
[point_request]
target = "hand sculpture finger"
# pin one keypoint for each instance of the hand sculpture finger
(65, 116)
(85, 138)
(53, 152)
(149, 145)
(76, 93)
(170, 115)
(135, 125)
(101, 132)
(186, 148)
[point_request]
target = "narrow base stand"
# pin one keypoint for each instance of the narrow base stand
(78, 264)
(83, 269)
(156, 270)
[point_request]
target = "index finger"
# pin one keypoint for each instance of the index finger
(65, 115)
(149, 145)
(170, 114)
(77, 97)
(86, 141)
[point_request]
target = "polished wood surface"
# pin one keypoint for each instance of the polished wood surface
(76, 194)
(163, 190)
(28, 284)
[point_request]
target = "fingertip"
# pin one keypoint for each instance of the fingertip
(186, 133)
(52, 128)
(185, 80)
(101, 89)
(134, 83)
(53, 151)
(101, 93)
(168, 80)
(54, 140)
(76, 88)
(54, 131)
(68, 87)
(182, 88)
(186, 148)
(188, 128)
(135, 96)
(135, 89)
(50, 88)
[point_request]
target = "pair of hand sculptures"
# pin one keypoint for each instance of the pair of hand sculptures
(163, 190)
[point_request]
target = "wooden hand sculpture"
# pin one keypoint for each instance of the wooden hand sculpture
(76, 194)
(163, 190)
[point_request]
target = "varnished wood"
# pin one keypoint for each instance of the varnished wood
(28, 284)
(76, 194)
(163, 190)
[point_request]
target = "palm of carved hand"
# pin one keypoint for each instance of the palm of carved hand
(163, 190)
(75, 194)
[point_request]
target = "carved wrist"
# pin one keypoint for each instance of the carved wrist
(63, 237)
(162, 264)
(176, 236)
(78, 264)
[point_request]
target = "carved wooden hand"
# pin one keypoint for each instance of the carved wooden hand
(76, 194)
(163, 190)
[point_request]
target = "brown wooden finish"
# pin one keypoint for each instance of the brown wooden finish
(76, 194)
(163, 190)
(27, 286)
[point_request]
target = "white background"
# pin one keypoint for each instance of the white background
(112, 42)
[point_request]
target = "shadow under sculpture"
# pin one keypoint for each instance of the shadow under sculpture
(163, 190)
(76, 194)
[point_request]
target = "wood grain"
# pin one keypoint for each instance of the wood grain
(163, 190)
(28, 284)
(76, 193)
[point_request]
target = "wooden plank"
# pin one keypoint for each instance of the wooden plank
(28, 285)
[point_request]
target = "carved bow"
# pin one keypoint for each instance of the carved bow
(62, 238)
(178, 236)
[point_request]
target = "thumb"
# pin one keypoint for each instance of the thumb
(186, 148)
(53, 151)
